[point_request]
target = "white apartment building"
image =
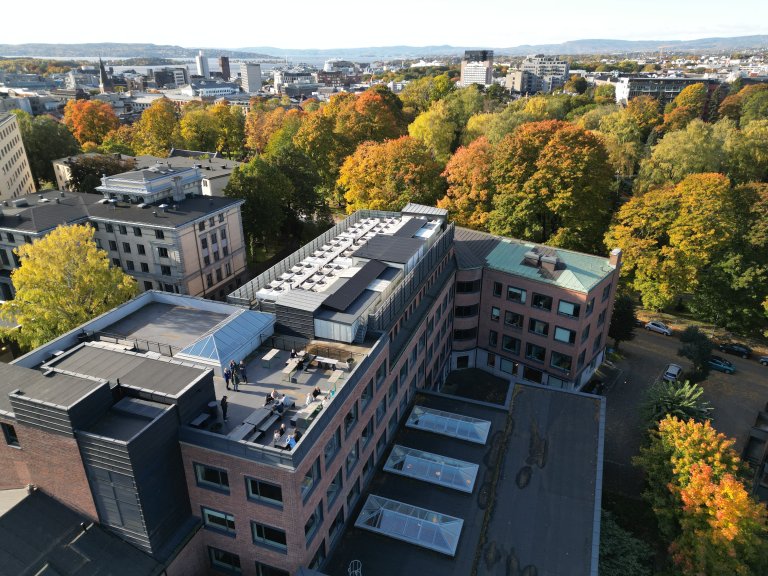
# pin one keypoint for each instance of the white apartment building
(477, 68)
(15, 174)
(250, 75)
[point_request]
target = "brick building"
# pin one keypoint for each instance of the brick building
(344, 332)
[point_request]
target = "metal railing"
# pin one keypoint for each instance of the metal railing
(139, 344)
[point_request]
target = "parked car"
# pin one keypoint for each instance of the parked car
(764, 360)
(736, 349)
(721, 365)
(660, 327)
(672, 373)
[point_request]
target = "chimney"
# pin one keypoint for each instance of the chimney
(549, 263)
(615, 258)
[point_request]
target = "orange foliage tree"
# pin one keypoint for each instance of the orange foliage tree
(470, 188)
(90, 120)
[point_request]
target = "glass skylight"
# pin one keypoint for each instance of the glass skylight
(433, 468)
(411, 524)
(449, 424)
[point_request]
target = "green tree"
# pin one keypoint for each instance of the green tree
(388, 175)
(200, 129)
(45, 140)
(86, 171)
(693, 97)
(754, 107)
(576, 85)
(264, 189)
(436, 129)
(231, 133)
(621, 554)
(64, 280)
(697, 347)
(605, 94)
(680, 399)
(157, 131)
(623, 320)
(645, 110)
(118, 141)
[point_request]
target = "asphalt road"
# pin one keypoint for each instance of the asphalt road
(736, 400)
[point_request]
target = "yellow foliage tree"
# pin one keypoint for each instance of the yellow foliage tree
(64, 280)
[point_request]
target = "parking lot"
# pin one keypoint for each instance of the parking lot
(736, 400)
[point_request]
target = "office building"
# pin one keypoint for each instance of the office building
(154, 223)
(224, 65)
(664, 89)
(477, 68)
(201, 61)
(353, 334)
(15, 174)
(250, 75)
(538, 73)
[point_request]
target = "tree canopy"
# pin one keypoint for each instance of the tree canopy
(64, 280)
(45, 140)
(90, 120)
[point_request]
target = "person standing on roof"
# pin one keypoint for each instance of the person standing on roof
(227, 376)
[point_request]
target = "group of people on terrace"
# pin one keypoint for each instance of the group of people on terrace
(235, 373)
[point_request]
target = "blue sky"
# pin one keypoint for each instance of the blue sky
(356, 23)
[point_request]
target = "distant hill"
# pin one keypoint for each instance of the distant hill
(588, 46)
(118, 50)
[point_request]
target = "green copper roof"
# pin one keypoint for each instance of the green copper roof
(581, 272)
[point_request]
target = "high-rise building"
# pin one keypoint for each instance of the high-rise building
(15, 174)
(250, 75)
(224, 65)
(202, 65)
(538, 73)
(477, 67)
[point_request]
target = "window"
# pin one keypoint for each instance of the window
(108, 227)
(495, 313)
(565, 335)
(541, 301)
(310, 479)
(221, 217)
(201, 225)
(122, 229)
(497, 289)
(367, 467)
(219, 277)
(159, 234)
(491, 359)
(211, 222)
(381, 410)
(566, 308)
(116, 262)
(590, 306)
(334, 489)
(95, 226)
(215, 255)
(147, 285)
(508, 366)
(140, 249)
(214, 238)
(204, 243)
(319, 557)
(225, 250)
(513, 319)
(126, 247)
(162, 252)
(353, 495)
(332, 447)
(596, 345)
(510, 344)
(538, 327)
(9, 432)
(144, 267)
(381, 445)
(352, 458)
(493, 340)
(585, 334)
(392, 392)
(313, 522)
(580, 360)
(263, 491)
(365, 397)
(367, 433)
(466, 334)
(532, 375)
(267, 570)
(269, 536)
(467, 311)
(516, 294)
(218, 521)
(403, 372)
(381, 374)
(206, 260)
(113, 246)
(228, 269)
(601, 317)
(223, 560)
(392, 425)
(350, 420)
(560, 361)
(136, 231)
(535, 352)
(165, 270)
(468, 287)
(606, 292)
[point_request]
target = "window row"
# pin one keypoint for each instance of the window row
(122, 229)
(545, 302)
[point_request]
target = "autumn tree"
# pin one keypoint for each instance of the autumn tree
(693, 99)
(436, 129)
(469, 198)
(64, 280)
(376, 114)
(388, 175)
(731, 106)
(418, 95)
(199, 129)
(576, 84)
(754, 107)
(86, 171)
(157, 131)
(260, 124)
(231, 129)
(90, 120)
(646, 112)
(605, 94)
(553, 185)
(118, 141)
(45, 140)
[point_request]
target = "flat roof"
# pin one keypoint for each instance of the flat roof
(133, 370)
(186, 211)
(127, 418)
(544, 510)
(59, 389)
(396, 249)
(576, 271)
(175, 325)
